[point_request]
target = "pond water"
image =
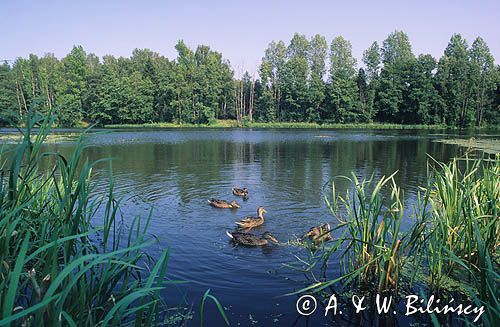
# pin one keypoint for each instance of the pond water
(176, 171)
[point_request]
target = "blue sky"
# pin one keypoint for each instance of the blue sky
(240, 30)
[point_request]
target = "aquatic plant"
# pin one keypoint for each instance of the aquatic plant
(465, 230)
(461, 201)
(207, 296)
(374, 250)
(486, 145)
(450, 247)
(65, 257)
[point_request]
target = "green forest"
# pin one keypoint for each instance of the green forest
(304, 81)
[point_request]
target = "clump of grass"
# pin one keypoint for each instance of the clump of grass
(373, 244)
(465, 230)
(52, 269)
(461, 201)
(371, 248)
(374, 251)
(453, 239)
(484, 283)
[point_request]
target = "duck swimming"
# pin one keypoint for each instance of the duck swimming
(223, 204)
(319, 234)
(240, 192)
(248, 239)
(250, 222)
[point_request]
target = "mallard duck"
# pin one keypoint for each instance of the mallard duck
(319, 234)
(250, 222)
(223, 204)
(240, 192)
(248, 239)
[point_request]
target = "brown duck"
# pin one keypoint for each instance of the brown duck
(243, 192)
(248, 239)
(318, 234)
(250, 222)
(223, 204)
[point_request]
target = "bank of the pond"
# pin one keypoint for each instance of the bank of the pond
(235, 124)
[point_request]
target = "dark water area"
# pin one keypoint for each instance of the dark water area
(286, 171)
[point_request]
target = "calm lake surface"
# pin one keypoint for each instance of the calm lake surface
(176, 171)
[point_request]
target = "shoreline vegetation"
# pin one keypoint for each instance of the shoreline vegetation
(287, 125)
(65, 255)
(449, 251)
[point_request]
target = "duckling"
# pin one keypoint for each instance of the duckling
(247, 239)
(223, 204)
(250, 222)
(319, 234)
(243, 192)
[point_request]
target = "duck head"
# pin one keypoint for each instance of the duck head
(268, 236)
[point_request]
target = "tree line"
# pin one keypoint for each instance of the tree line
(304, 81)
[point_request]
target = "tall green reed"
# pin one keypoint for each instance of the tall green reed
(452, 240)
(461, 200)
(465, 231)
(371, 249)
(374, 251)
(52, 270)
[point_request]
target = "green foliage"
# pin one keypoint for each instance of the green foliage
(452, 77)
(394, 82)
(483, 79)
(365, 95)
(202, 84)
(372, 62)
(393, 86)
(375, 249)
(465, 205)
(450, 247)
(271, 72)
(72, 86)
(295, 75)
(57, 267)
(127, 99)
(208, 296)
(343, 94)
(423, 104)
(316, 86)
(7, 95)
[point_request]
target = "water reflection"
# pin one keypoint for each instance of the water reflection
(285, 171)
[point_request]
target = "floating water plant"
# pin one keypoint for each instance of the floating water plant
(491, 146)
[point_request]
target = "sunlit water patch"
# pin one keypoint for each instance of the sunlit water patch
(286, 171)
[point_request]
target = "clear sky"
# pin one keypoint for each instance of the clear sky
(240, 30)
